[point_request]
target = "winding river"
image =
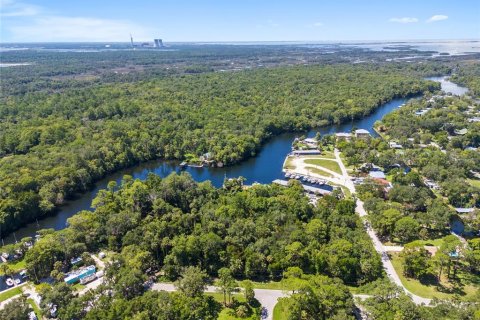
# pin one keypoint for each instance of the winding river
(263, 168)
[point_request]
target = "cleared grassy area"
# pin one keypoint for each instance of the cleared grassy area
(327, 154)
(218, 296)
(78, 287)
(466, 285)
(10, 293)
(229, 313)
(279, 312)
(288, 164)
(16, 266)
(319, 172)
(272, 285)
(328, 164)
(36, 309)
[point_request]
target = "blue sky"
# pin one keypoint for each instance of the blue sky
(238, 20)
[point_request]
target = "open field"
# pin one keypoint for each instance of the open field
(10, 293)
(328, 164)
(288, 165)
(466, 286)
(319, 171)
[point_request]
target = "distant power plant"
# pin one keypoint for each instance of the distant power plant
(157, 43)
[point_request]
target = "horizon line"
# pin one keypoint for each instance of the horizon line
(255, 41)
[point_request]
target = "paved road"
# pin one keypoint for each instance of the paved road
(387, 263)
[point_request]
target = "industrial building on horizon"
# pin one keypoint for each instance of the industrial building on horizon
(157, 43)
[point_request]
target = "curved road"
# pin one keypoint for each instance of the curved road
(387, 263)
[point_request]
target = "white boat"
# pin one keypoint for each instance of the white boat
(9, 282)
(287, 175)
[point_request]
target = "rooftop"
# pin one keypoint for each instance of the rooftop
(362, 131)
(377, 174)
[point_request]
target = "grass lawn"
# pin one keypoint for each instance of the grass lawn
(474, 182)
(35, 308)
(78, 287)
(327, 154)
(10, 293)
(319, 171)
(226, 315)
(328, 164)
(218, 296)
(279, 311)
(16, 266)
(288, 164)
(272, 285)
(469, 284)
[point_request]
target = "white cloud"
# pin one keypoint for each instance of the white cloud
(437, 17)
(404, 20)
(318, 24)
(10, 8)
(58, 28)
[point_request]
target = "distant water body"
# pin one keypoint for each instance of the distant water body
(451, 47)
(263, 168)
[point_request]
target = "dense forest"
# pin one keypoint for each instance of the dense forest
(54, 145)
(262, 233)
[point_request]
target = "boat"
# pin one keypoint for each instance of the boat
(183, 165)
(196, 165)
(9, 282)
(287, 175)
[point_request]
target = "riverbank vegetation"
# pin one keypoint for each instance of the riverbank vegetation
(54, 145)
(429, 152)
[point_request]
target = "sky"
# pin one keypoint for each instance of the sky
(237, 20)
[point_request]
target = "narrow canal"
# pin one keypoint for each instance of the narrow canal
(264, 168)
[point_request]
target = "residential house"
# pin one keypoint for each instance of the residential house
(395, 145)
(343, 136)
(362, 134)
